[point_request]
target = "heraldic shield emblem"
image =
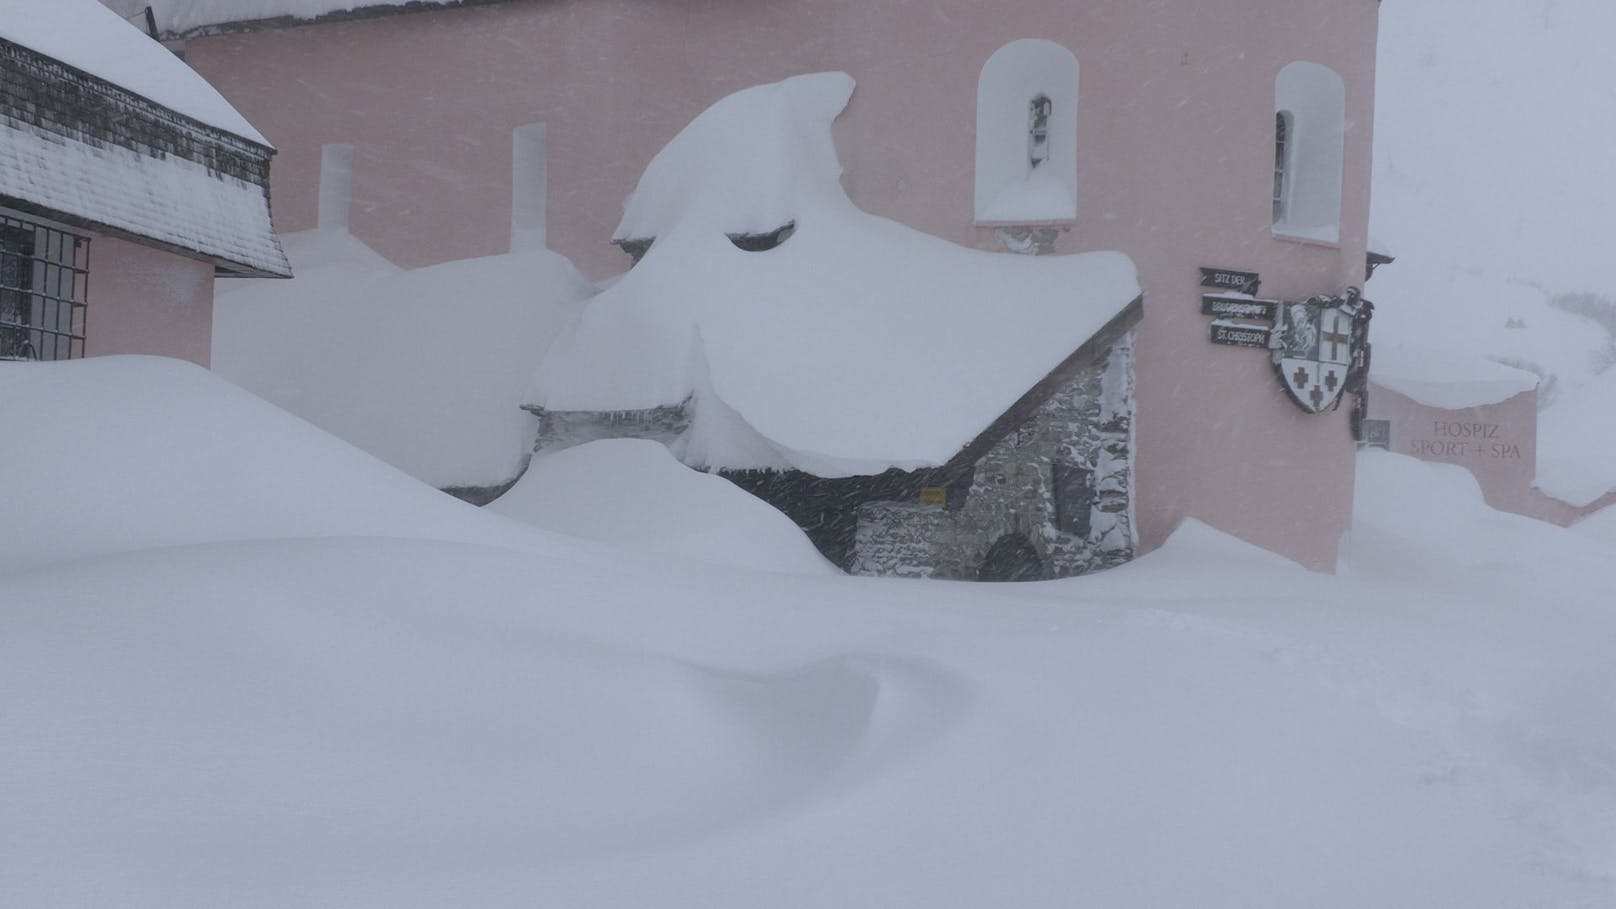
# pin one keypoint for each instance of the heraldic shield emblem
(1314, 349)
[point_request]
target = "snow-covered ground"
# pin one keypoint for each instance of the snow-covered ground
(243, 664)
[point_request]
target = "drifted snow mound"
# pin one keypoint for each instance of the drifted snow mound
(1418, 519)
(130, 453)
(184, 726)
(633, 493)
(855, 345)
(1575, 439)
(423, 368)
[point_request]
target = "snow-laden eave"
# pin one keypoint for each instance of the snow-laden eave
(1092, 351)
(269, 15)
(169, 203)
(223, 268)
(933, 473)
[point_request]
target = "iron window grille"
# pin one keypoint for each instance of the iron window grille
(1283, 128)
(44, 290)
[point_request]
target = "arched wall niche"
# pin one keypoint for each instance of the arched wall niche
(1026, 134)
(1312, 99)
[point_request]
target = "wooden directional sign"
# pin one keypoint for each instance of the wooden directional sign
(1236, 335)
(1230, 279)
(1232, 307)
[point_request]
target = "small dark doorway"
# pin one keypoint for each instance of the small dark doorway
(1011, 558)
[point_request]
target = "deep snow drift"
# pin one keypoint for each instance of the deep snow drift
(132, 453)
(424, 368)
(632, 492)
(227, 679)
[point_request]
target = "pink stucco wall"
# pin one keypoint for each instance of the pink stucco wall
(147, 301)
(1175, 159)
(1496, 442)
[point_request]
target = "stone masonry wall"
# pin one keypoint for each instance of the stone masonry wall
(1088, 424)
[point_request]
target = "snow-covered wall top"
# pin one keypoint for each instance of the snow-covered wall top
(1439, 378)
(86, 35)
(181, 16)
(856, 345)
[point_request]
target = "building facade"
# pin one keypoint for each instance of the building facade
(1226, 135)
(120, 195)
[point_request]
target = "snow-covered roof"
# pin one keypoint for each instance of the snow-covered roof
(170, 200)
(109, 130)
(179, 17)
(856, 345)
(87, 36)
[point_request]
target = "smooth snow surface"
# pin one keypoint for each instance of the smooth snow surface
(160, 452)
(424, 368)
(1439, 378)
(631, 492)
(88, 36)
(856, 345)
(226, 680)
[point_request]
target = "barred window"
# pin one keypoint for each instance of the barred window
(44, 290)
(1282, 163)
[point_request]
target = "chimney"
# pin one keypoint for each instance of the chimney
(529, 188)
(336, 186)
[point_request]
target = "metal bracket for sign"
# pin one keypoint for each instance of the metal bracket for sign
(1245, 282)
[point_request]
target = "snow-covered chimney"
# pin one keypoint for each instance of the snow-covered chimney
(529, 189)
(336, 186)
